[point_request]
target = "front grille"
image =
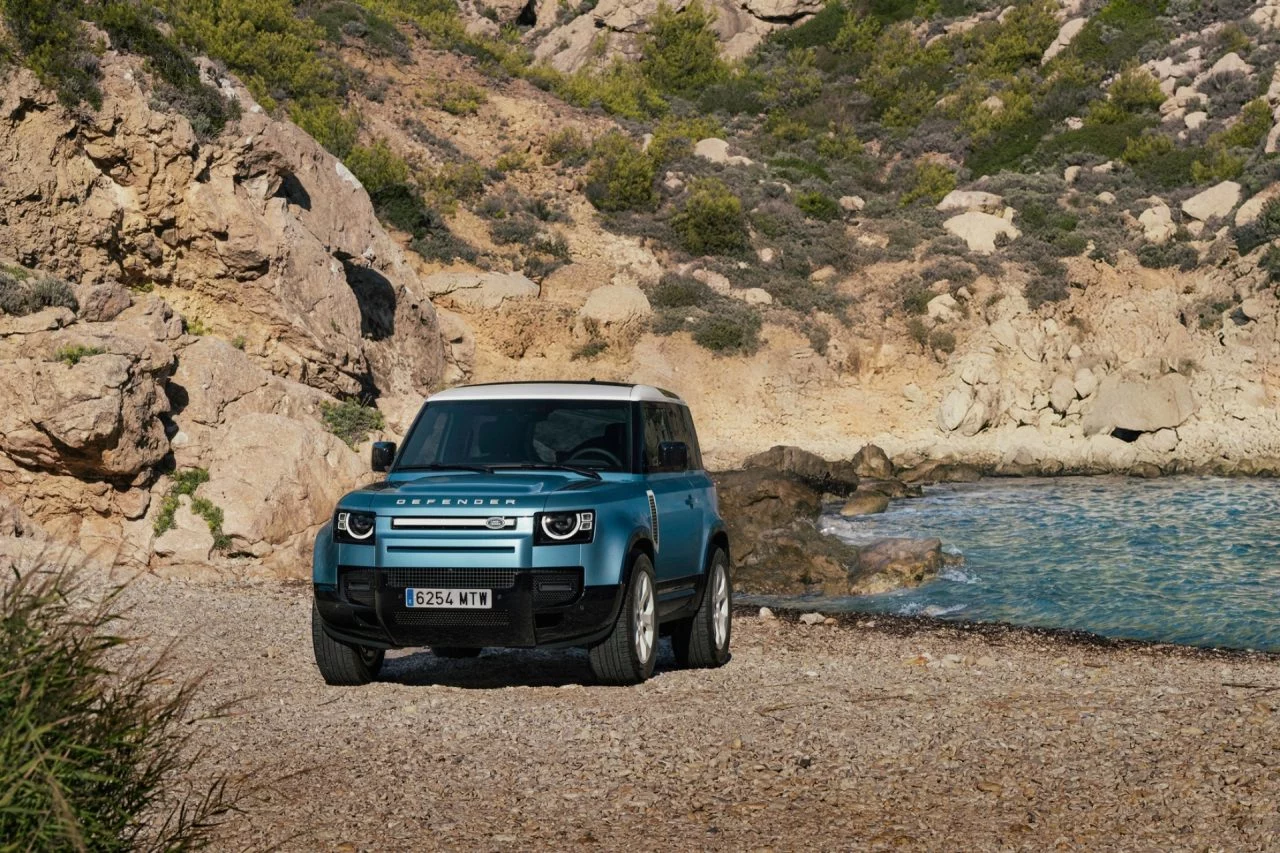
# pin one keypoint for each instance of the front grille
(557, 587)
(358, 586)
(454, 618)
(451, 578)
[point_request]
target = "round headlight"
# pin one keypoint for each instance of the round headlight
(560, 525)
(359, 525)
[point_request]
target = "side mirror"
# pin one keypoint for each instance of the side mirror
(673, 456)
(383, 454)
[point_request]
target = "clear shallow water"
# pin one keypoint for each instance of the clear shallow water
(1182, 560)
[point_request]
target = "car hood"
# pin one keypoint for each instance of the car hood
(450, 492)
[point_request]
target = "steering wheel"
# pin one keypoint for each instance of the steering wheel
(598, 453)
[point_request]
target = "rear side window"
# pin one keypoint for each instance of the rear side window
(668, 422)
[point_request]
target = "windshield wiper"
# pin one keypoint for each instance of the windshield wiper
(436, 466)
(551, 466)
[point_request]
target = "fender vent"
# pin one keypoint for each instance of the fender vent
(653, 518)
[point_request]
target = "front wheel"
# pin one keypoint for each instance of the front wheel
(626, 656)
(703, 641)
(342, 664)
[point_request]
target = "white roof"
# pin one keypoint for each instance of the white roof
(557, 391)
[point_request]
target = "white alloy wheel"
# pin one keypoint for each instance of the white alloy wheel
(645, 628)
(720, 602)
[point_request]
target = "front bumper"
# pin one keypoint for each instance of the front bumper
(531, 607)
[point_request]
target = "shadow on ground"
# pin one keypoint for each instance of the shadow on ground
(501, 668)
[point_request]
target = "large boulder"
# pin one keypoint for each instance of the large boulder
(839, 477)
(615, 305)
(84, 404)
(479, 291)
(1140, 405)
(276, 481)
(774, 541)
(893, 563)
(871, 461)
(962, 200)
(979, 230)
(1214, 203)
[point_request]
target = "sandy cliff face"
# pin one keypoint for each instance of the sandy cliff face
(261, 242)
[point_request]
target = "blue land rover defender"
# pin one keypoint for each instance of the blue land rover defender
(530, 514)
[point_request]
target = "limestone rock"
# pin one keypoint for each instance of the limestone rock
(1062, 393)
(1157, 223)
(954, 407)
(893, 563)
(979, 230)
(277, 480)
(752, 295)
(852, 203)
(616, 305)
(872, 462)
(838, 477)
(868, 503)
(479, 291)
(1195, 120)
(943, 308)
(1249, 212)
(189, 540)
(1086, 382)
(962, 200)
(1140, 405)
(1213, 203)
(1066, 34)
(717, 151)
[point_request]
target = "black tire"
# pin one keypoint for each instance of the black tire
(456, 652)
(342, 664)
(697, 642)
(621, 657)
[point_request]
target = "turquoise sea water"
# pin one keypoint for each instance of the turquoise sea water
(1181, 560)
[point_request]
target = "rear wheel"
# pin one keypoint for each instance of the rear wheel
(455, 652)
(626, 656)
(703, 641)
(343, 664)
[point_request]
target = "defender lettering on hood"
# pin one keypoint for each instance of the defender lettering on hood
(527, 514)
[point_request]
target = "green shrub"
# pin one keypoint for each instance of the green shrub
(567, 147)
(350, 420)
(621, 89)
(72, 354)
(53, 44)
(680, 53)
(620, 176)
(272, 50)
(1171, 254)
(1262, 230)
(589, 350)
(674, 138)
(929, 181)
(677, 291)
(377, 167)
(1146, 147)
(942, 340)
(1135, 91)
(514, 229)
(794, 82)
(22, 293)
(1117, 33)
(711, 220)
(1019, 39)
(195, 326)
(1249, 130)
(459, 99)
(96, 748)
(1108, 140)
(454, 182)
(918, 332)
(1271, 263)
(734, 96)
(818, 205)
(328, 123)
(213, 517)
(1217, 164)
(731, 329)
(342, 19)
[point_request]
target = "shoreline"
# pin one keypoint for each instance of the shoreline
(900, 625)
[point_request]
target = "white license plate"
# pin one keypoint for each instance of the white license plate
(458, 599)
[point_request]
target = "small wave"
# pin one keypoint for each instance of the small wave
(916, 608)
(957, 576)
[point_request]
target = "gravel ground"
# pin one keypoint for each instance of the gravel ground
(866, 734)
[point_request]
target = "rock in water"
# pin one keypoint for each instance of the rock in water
(867, 503)
(893, 563)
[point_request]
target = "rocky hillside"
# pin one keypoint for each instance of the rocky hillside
(243, 239)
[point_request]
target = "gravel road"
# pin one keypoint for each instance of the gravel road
(859, 735)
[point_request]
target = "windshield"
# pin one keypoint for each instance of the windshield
(588, 434)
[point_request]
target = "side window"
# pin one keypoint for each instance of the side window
(690, 437)
(667, 422)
